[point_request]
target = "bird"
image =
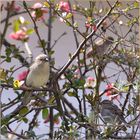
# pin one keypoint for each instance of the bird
(111, 113)
(101, 47)
(39, 72)
(38, 75)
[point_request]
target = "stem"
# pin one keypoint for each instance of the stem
(83, 42)
(6, 26)
(28, 50)
(35, 27)
(49, 56)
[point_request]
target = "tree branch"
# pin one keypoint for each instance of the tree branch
(83, 42)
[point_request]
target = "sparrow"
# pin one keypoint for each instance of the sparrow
(38, 75)
(111, 113)
(39, 72)
(101, 47)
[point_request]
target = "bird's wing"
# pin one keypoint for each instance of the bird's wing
(99, 42)
(116, 110)
(29, 69)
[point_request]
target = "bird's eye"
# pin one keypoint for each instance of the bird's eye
(44, 59)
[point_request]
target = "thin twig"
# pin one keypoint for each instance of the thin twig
(35, 27)
(83, 43)
(6, 24)
(13, 14)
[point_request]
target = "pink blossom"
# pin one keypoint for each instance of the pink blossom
(90, 82)
(13, 7)
(16, 8)
(112, 92)
(77, 74)
(94, 28)
(23, 75)
(64, 6)
(19, 35)
(89, 25)
(90, 79)
(37, 5)
(109, 88)
(42, 11)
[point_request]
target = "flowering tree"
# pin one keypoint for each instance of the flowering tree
(95, 93)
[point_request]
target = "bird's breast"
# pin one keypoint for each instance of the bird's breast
(38, 76)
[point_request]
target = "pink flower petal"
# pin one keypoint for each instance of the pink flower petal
(64, 6)
(13, 36)
(90, 79)
(37, 5)
(23, 75)
(19, 35)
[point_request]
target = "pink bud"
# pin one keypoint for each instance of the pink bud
(37, 5)
(23, 75)
(112, 92)
(90, 79)
(42, 11)
(13, 36)
(90, 82)
(64, 6)
(19, 35)
(16, 8)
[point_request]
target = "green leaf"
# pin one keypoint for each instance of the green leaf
(5, 121)
(23, 111)
(8, 59)
(16, 25)
(51, 100)
(69, 15)
(56, 118)
(45, 113)
(38, 13)
(29, 31)
(3, 74)
(10, 80)
(3, 130)
(72, 94)
(79, 83)
(119, 4)
(25, 120)
(42, 43)
(47, 4)
(12, 68)
(107, 131)
(125, 88)
(51, 53)
(68, 23)
(136, 4)
(8, 51)
(51, 1)
(75, 24)
(27, 23)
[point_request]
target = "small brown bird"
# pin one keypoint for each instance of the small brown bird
(111, 113)
(101, 47)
